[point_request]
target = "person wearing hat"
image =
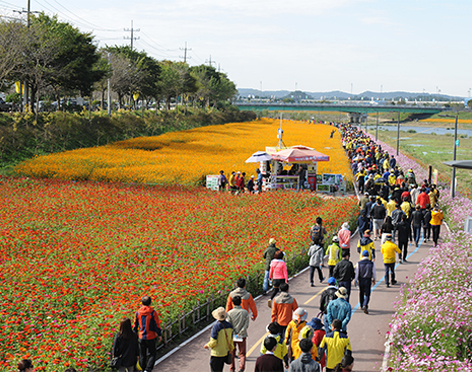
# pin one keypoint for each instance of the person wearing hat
(334, 255)
(366, 244)
(293, 330)
(388, 250)
(338, 309)
(268, 256)
(344, 236)
(221, 340)
(328, 295)
(250, 185)
(365, 276)
(318, 333)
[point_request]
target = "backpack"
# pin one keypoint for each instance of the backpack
(315, 234)
(331, 295)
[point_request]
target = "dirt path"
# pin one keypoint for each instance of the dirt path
(366, 332)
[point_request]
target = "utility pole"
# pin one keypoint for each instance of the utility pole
(185, 53)
(453, 183)
(398, 132)
(26, 93)
(210, 62)
(132, 34)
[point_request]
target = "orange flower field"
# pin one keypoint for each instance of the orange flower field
(187, 157)
(76, 257)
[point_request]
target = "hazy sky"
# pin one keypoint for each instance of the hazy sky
(312, 45)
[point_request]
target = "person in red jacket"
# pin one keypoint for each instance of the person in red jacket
(147, 325)
(423, 199)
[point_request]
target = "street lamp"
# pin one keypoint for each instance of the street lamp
(453, 181)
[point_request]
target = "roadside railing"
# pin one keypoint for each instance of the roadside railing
(188, 323)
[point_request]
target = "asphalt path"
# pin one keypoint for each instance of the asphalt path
(366, 331)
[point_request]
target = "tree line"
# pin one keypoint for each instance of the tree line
(57, 60)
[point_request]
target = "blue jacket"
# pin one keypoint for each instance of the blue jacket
(338, 309)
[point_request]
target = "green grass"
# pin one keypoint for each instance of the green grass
(434, 150)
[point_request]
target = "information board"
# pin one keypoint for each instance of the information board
(212, 182)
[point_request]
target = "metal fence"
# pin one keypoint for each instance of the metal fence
(188, 323)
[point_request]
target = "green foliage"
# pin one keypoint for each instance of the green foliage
(13, 97)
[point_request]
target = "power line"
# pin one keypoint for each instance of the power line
(185, 52)
(9, 4)
(132, 37)
(158, 45)
(161, 53)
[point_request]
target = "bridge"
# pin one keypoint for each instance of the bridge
(354, 110)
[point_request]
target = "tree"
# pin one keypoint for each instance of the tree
(213, 86)
(176, 80)
(12, 42)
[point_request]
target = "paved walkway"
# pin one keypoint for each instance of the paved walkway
(366, 332)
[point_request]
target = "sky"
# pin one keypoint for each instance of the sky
(310, 45)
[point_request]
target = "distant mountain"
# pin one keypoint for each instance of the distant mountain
(337, 94)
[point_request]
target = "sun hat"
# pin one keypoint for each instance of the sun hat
(315, 323)
(331, 281)
(306, 332)
(345, 225)
(389, 237)
(272, 241)
(335, 239)
(365, 253)
(220, 313)
(341, 293)
(300, 314)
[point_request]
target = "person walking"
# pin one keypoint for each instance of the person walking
(221, 340)
(147, 325)
(338, 309)
(293, 330)
(334, 255)
(319, 332)
(318, 232)
(335, 345)
(344, 236)
(316, 254)
(278, 274)
(387, 228)
(344, 273)
(365, 276)
(366, 244)
(247, 302)
(283, 307)
(378, 214)
(305, 362)
(222, 181)
(346, 365)
(416, 222)
(363, 223)
(427, 223)
(388, 250)
(396, 218)
(281, 350)
(436, 221)
(126, 347)
(269, 362)
(268, 256)
(239, 319)
(328, 295)
(404, 237)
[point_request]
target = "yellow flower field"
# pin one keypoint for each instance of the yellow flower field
(187, 157)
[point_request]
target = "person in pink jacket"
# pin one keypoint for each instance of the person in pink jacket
(344, 236)
(278, 273)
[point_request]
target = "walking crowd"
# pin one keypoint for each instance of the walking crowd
(394, 210)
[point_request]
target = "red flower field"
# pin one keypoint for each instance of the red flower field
(75, 257)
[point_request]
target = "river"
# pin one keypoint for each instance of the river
(425, 130)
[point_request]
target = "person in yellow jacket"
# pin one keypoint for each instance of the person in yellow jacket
(366, 244)
(294, 328)
(388, 250)
(221, 340)
(392, 180)
(306, 332)
(281, 350)
(391, 206)
(334, 255)
(436, 221)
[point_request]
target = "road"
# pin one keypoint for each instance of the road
(366, 331)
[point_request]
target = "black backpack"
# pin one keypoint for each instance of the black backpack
(315, 234)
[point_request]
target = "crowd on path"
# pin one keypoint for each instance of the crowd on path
(394, 210)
